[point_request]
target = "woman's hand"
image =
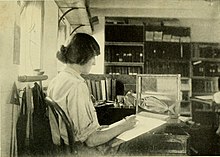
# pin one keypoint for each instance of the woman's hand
(129, 122)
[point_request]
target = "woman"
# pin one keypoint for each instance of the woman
(71, 93)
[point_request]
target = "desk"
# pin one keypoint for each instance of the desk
(168, 139)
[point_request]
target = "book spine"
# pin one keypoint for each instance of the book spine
(93, 89)
(113, 89)
(103, 89)
(88, 82)
(98, 90)
(108, 88)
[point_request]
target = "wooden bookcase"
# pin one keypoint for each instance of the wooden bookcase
(169, 52)
(124, 49)
(205, 68)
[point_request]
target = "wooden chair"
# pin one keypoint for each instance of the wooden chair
(58, 112)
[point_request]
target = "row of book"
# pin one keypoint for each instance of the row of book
(208, 69)
(104, 89)
(117, 70)
(160, 36)
(156, 67)
(168, 51)
(129, 56)
(209, 52)
(204, 86)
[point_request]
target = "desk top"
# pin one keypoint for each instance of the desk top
(169, 138)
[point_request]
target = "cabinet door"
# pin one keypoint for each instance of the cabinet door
(124, 33)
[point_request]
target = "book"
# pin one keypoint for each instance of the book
(88, 82)
(108, 88)
(113, 89)
(93, 89)
(167, 37)
(158, 35)
(149, 35)
(175, 38)
(98, 90)
(103, 89)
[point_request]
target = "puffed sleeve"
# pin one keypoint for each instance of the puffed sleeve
(82, 111)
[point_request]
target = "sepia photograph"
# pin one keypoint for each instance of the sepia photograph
(109, 78)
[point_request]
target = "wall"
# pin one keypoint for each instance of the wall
(48, 59)
(9, 71)
(98, 34)
(203, 30)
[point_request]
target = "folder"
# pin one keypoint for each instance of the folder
(108, 88)
(93, 89)
(98, 90)
(103, 89)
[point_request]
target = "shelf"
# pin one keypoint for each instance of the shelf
(123, 64)
(168, 60)
(202, 93)
(206, 59)
(124, 43)
(166, 42)
(186, 113)
(122, 24)
(204, 77)
(185, 78)
(185, 90)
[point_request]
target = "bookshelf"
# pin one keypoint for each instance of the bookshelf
(133, 47)
(124, 49)
(205, 68)
(168, 50)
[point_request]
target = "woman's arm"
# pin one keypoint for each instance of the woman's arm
(102, 136)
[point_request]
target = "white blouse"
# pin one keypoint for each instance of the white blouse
(70, 91)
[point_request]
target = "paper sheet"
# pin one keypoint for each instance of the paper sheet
(143, 125)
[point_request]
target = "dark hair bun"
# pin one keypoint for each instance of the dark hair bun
(61, 54)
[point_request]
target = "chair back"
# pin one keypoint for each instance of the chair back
(57, 111)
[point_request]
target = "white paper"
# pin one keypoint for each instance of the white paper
(143, 125)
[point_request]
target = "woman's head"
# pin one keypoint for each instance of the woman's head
(81, 49)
